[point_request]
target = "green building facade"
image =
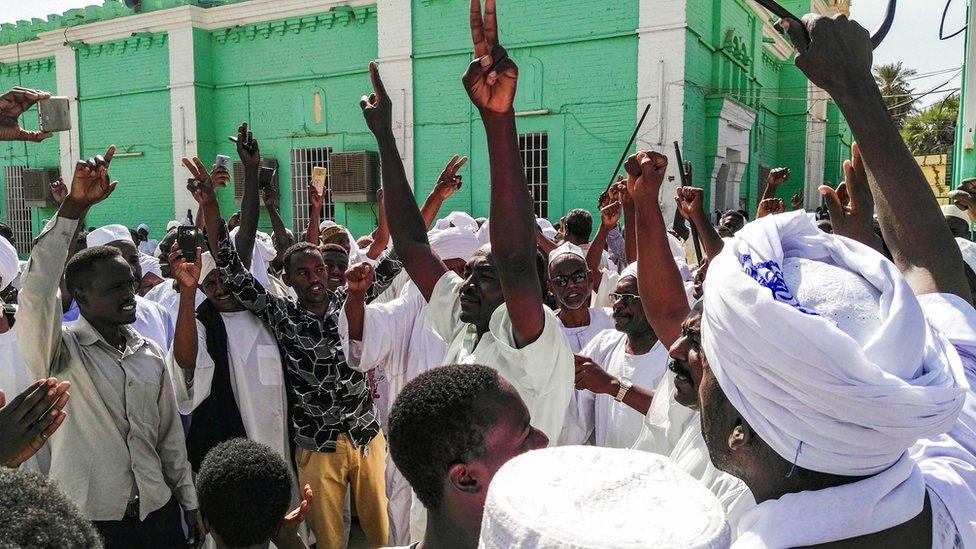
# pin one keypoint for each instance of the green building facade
(176, 78)
(964, 154)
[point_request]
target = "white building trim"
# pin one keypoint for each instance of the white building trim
(660, 75)
(394, 29)
(734, 131)
(65, 70)
(816, 143)
(183, 114)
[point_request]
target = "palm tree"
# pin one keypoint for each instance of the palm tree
(892, 80)
(932, 130)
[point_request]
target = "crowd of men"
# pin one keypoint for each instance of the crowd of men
(450, 382)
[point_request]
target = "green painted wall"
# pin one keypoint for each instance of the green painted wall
(964, 161)
(124, 99)
(580, 66)
(266, 76)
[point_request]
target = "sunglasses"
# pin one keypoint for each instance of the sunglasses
(625, 299)
(562, 281)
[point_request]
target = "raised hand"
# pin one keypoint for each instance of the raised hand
(247, 147)
(377, 106)
(197, 169)
(59, 190)
(770, 206)
(315, 199)
(610, 214)
(838, 57)
(269, 198)
(13, 104)
(492, 78)
(449, 181)
(851, 205)
(653, 166)
(797, 202)
(186, 274)
(777, 176)
(690, 202)
(90, 183)
(30, 418)
(288, 530)
(219, 176)
(359, 278)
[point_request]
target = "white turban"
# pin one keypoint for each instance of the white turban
(107, 234)
(9, 263)
(453, 243)
(150, 264)
(819, 342)
(172, 225)
(484, 237)
(630, 270)
(566, 248)
(968, 250)
(952, 210)
(546, 226)
(457, 219)
(583, 497)
(207, 265)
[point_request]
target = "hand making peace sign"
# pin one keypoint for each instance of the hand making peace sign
(492, 78)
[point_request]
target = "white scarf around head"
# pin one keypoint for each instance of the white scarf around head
(814, 394)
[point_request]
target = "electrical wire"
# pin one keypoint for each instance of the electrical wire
(945, 14)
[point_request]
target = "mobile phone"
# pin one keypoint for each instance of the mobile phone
(188, 239)
(53, 114)
(318, 179)
(266, 177)
(222, 161)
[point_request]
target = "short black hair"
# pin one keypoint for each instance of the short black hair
(6, 232)
(579, 224)
(435, 423)
(294, 249)
(34, 513)
(79, 271)
(332, 248)
(243, 489)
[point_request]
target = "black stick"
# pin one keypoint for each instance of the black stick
(613, 177)
(686, 183)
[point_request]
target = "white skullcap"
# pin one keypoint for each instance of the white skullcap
(457, 219)
(630, 270)
(835, 366)
(207, 265)
(9, 263)
(547, 229)
(143, 226)
(172, 225)
(108, 234)
(584, 497)
(453, 243)
(150, 264)
(951, 210)
(968, 250)
(484, 236)
(566, 248)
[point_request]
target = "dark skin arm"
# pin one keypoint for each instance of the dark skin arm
(777, 176)
(250, 154)
(662, 291)
(630, 221)
(592, 377)
(448, 183)
(491, 81)
(381, 236)
(279, 234)
(838, 59)
(187, 276)
(315, 201)
(407, 226)
(358, 280)
(851, 205)
(690, 202)
(609, 216)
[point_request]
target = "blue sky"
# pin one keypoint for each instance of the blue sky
(914, 39)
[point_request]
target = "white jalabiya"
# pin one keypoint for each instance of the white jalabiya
(968, 250)
(256, 377)
(168, 298)
(666, 422)
(820, 398)
(578, 425)
(14, 379)
(153, 322)
(615, 424)
(542, 372)
(580, 497)
(9, 263)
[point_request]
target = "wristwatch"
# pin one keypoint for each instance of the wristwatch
(625, 385)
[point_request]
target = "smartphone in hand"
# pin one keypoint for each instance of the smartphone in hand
(188, 237)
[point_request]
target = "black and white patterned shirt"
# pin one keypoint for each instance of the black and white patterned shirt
(329, 397)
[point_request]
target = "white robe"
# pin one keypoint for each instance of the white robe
(14, 378)
(578, 425)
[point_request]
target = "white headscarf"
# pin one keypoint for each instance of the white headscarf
(566, 248)
(149, 265)
(9, 263)
(457, 219)
(951, 210)
(453, 243)
(842, 380)
(207, 265)
(107, 234)
(547, 229)
(484, 237)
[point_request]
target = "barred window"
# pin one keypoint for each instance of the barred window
(534, 148)
(302, 162)
(18, 213)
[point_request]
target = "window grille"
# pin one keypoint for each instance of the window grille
(302, 162)
(18, 213)
(534, 148)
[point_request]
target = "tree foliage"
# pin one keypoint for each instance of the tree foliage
(893, 81)
(932, 130)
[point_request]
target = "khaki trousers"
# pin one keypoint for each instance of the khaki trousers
(329, 474)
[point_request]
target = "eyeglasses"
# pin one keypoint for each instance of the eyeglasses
(625, 299)
(562, 281)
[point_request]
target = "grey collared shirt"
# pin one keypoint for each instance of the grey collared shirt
(122, 434)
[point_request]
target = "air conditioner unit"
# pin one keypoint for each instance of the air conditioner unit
(237, 175)
(37, 186)
(354, 176)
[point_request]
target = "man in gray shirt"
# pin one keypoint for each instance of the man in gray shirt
(120, 455)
